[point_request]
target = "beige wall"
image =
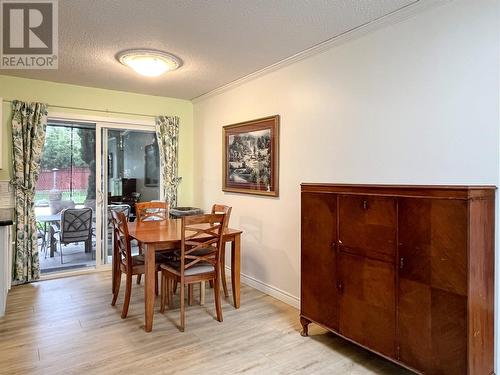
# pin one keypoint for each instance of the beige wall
(412, 103)
(56, 94)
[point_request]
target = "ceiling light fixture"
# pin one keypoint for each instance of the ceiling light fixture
(150, 63)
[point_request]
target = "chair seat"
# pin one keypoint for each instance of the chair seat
(160, 258)
(199, 252)
(198, 269)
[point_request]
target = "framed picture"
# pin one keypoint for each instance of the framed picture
(152, 167)
(250, 157)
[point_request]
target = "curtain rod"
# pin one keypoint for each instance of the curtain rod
(96, 110)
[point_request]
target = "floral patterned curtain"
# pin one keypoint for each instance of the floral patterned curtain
(167, 132)
(28, 137)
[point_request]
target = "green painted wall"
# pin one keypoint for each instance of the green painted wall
(58, 94)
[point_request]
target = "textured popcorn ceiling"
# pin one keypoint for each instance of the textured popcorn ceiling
(218, 40)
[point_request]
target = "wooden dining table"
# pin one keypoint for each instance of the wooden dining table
(163, 235)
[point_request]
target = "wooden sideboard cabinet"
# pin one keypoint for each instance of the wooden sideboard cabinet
(404, 271)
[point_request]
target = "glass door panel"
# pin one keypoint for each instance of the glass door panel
(66, 181)
(130, 174)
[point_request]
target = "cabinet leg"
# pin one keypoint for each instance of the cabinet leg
(305, 324)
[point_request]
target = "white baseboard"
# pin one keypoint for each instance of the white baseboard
(269, 289)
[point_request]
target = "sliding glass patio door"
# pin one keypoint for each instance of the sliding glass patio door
(97, 165)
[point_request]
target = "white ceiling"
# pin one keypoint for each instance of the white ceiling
(218, 40)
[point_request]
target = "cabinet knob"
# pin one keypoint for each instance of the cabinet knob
(365, 204)
(401, 263)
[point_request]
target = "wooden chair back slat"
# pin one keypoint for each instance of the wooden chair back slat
(222, 209)
(151, 211)
(121, 239)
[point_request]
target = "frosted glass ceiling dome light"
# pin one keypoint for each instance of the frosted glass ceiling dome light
(149, 63)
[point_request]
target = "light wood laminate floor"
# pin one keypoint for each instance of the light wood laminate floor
(67, 326)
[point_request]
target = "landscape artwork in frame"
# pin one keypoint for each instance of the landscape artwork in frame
(250, 157)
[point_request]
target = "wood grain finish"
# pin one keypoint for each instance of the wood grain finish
(367, 226)
(433, 284)
(415, 349)
(414, 271)
(480, 289)
(367, 302)
(318, 266)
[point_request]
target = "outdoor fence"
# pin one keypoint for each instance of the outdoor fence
(72, 183)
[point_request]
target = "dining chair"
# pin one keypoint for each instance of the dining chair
(199, 261)
(216, 209)
(76, 226)
(125, 208)
(150, 211)
(126, 262)
(223, 209)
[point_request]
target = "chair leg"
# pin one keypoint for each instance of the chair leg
(190, 294)
(156, 284)
(117, 281)
(174, 289)
(202, 293)
(162, 293)
(223, 272)
(183, 307)
(167, 291)
(211, 283)
(218, 308)
(60, 250)
(170, 299)
(140, 253)
(128, 292)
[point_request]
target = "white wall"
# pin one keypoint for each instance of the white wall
(412, 103)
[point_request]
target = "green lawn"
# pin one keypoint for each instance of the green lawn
(78, 197)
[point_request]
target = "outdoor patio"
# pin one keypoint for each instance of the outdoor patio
(74, 257)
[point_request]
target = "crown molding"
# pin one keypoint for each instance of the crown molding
(394, 17)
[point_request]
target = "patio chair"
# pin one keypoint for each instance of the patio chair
(41, 235)
(76, 226)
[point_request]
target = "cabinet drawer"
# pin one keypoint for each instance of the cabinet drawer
(367, 226)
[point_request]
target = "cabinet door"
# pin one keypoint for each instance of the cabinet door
(432, 295)
(367, 226)
(318, 257)
(367, 312)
